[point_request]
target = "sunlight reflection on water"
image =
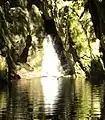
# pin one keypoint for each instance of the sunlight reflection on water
(50, 70)
(50, 92)
(53, 97)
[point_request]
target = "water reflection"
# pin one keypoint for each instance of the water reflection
(52, 97)
(50, 92)
(61, 99)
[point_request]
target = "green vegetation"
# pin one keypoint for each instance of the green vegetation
(76, 26)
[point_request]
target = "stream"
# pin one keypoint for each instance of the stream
(52, 96)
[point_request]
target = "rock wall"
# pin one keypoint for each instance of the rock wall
(16, 24)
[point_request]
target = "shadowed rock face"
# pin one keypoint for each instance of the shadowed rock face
(2, 2)
(13, 3)
(31, 2)
(57, 42)
(65, 61)
(24, 55)
(49, 22)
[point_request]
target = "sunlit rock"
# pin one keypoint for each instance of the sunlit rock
(3, 67)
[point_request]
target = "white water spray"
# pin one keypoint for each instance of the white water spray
(50, 71)
(51, 64)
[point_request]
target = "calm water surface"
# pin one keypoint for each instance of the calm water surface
(51, 98)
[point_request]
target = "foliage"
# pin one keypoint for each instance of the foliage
(78, 26)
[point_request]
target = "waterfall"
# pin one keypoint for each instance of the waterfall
(50, 64)
(51, 70)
